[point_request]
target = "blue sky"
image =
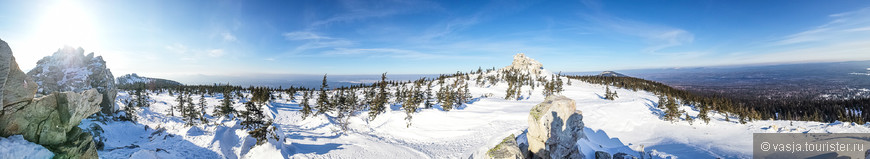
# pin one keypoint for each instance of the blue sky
(169, 38)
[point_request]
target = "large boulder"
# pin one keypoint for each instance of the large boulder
(555, 125)
(69, 69)
(51, 120)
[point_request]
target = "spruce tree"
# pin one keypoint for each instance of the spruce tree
(202, 105)
(306, 108)
(323, 98)
(703, 114)
(226, 107)
(180, 100)
(377, 106)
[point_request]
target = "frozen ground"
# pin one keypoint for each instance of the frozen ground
(629, 124)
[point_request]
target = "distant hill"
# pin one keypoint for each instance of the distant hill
(130, 80)
(611, 74)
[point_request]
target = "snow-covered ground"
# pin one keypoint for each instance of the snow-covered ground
(629, 124)
(16, 147)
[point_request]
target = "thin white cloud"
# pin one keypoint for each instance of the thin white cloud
(177, 48)
(658, 37)
(315, 41)
(359, 10)
(216, 52)
(380, 52)
(304, 35)
(847, 26)
(228, 37)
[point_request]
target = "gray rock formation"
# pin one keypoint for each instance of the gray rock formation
(555, 125)
(602, 155)
(507, 149)
(50, 120)
(621, 155)
(69, 69)
(525, 64)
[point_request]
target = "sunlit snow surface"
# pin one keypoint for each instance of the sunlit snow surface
(16, 147)
(627, 124)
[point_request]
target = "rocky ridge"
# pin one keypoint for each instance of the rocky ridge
(51, 120)
(69, 69)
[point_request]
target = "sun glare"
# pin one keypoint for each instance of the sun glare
(66, 22)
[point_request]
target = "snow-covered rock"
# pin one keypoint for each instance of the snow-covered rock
(525, 64)
(69, 69)
(507, 149)
(50, 120)
(555, 125)
(16, 147)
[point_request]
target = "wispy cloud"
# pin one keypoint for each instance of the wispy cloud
(228, 37)
(315, 41)
(658, 37)
(486, 13)
(380, 52)
(304, 35)
(216, 52)
(847, 26)
(359, 10)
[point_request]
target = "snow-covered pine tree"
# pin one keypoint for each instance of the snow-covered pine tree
(323, 98)
(202, 104)
(380, 100)
(306, 108)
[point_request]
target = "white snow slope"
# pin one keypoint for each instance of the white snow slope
(629, 124)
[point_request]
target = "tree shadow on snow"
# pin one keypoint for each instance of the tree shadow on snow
(317, 149)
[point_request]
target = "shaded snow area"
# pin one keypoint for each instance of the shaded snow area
(629, 124)
(16, 147)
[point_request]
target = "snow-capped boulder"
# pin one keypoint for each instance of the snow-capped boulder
(555, 125)
(69, 69)
(51, 120)
(523, 63)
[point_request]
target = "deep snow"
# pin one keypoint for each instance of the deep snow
(16, 147)
(629, 124)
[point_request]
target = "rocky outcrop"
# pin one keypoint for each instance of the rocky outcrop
(621, 155)
(555, 125)
(507, 149)
(51, 120)
(523, 63)
(69, 69)
(602, 155)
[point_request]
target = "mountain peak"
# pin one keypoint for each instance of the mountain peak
(525, 64)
